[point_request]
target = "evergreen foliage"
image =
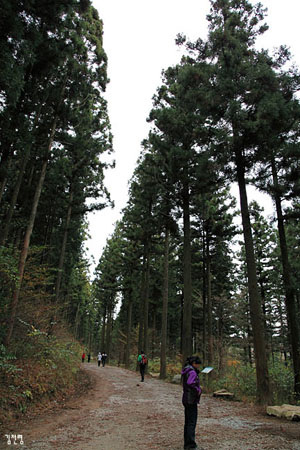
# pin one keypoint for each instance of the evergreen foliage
(226, 113)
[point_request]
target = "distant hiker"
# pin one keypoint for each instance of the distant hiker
(143, 361)
(104, 356)
(99, 357)
(190, 399)
(89, 357)
(83, 357)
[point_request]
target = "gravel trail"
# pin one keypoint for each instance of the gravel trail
(121, 413)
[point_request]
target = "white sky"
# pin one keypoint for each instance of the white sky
(139, 40)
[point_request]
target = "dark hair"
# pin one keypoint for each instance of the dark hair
(192, 359)
(142, 351)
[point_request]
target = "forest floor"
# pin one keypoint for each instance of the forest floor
(119, 412)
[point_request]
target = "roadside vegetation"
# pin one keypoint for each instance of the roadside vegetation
(43, 373)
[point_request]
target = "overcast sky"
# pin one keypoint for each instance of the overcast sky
(139, 40)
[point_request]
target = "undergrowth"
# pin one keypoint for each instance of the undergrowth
(44, 368)
(239, 378)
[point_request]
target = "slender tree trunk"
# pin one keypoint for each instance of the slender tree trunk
(181, 324)
(14, 198)
(221, 346)
(103, 331)
(262, 373)
(4, 178)
(76, 322)
(164, 317)
(145, 295)
(153, 334)
(291, 307)
(7, 145)
(26, 242)
(2, 188)
(63, 247)
(204, 296)
(129, 325)
(187, 277)
(4, 166)
(109, 331)
(141, 333)
(18, 184)
(209, 307)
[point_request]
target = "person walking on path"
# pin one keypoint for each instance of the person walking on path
(83, 357)
(99, 357)
(190, 399)
(104, 356)
(142, 361)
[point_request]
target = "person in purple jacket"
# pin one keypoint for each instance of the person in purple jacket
(190, 399)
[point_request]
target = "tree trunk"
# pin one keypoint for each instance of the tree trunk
(145, 295)
(63, 248)
(19, 182)
(14, 197)
(26, 242)
(262, 374)
(209, 307)
(77, 320)
(108, 331)
(4, 178)
(129, 322)
(103, 331)
(187, 277)
(4, 166)
(204, 295)
(153, 334)
(164, 316)
(291, 307)
(221, 346)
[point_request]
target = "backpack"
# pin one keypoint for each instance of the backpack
(144, 360)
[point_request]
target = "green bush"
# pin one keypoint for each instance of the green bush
(239, 379)
(49, 370)
(6, 365)
(282, 382)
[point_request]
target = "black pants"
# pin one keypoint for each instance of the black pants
(142, 371)
(190, 416)
(99, 361)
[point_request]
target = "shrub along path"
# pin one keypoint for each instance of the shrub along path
(121, 413)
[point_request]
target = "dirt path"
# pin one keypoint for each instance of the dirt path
(120, 413)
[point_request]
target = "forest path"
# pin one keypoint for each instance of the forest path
(121, 413)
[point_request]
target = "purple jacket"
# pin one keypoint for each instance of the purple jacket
(191, 386)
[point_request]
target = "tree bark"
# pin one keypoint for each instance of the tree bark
(108, 331)
(4, 180)
(204, 296)
(103, 331)
(262, 373)
(187, 277)
(145, 295)
(26, 242)
(63, 247)
(18, 184)
(14, 198)
(129, 324)
(164, 316)
(209, 306)
(290, 297)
